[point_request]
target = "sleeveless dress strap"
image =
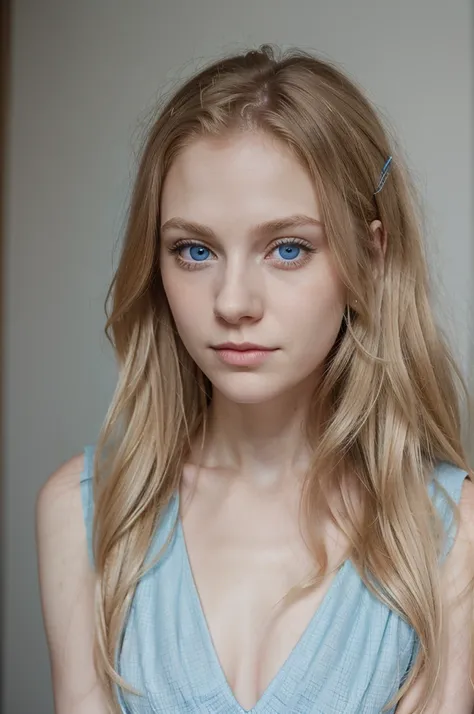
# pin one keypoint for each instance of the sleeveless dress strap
(87, 498)
(451, 478)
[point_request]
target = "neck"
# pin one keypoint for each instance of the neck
(264, 444)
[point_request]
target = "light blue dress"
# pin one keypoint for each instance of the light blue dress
(350, 659)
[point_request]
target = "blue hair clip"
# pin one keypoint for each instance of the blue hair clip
(384, 174)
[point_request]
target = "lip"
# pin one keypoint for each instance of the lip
(244, 354)
(243, 347)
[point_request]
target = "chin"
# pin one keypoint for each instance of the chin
(249, 388)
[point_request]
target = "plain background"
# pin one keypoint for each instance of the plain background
(85, 76)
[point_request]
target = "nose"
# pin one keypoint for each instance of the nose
(239, 295)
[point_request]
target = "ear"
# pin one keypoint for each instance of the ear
(380, 243)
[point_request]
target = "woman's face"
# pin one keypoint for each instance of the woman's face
(235, 277)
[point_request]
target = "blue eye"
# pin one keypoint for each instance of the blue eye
(293, 252)
(198, 252)
(289, 251)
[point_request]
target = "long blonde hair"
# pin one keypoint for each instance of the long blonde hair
(391, 390)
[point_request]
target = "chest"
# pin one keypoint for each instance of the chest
(204, 634)
(244, 557)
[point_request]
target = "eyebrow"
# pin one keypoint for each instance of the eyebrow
(273, 226)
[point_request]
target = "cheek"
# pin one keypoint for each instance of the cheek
(186, 305)
(312, 315)
(317, 300)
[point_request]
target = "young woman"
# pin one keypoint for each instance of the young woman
(279, 516)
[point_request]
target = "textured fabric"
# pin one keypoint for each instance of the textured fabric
(350, 659)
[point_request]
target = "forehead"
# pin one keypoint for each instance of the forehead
(247, 174)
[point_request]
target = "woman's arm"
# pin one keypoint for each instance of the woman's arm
(67, 592)
(457, 695)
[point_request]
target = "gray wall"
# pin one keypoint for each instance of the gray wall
(84, 75)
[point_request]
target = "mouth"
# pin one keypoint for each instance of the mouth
(243, 355)
(243, 347)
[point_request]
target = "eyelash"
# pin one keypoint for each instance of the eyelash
(288, 265)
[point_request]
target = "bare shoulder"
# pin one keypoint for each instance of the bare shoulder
(457, 590)
(466, 509)
(64, 482)
(59, 516)
(67, 585)
(458, 569)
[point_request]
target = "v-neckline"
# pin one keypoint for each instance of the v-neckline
(217, 672)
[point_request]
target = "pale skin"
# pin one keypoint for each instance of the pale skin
(245, 287)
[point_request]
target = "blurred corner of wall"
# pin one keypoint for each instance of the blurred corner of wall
(4, 104)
